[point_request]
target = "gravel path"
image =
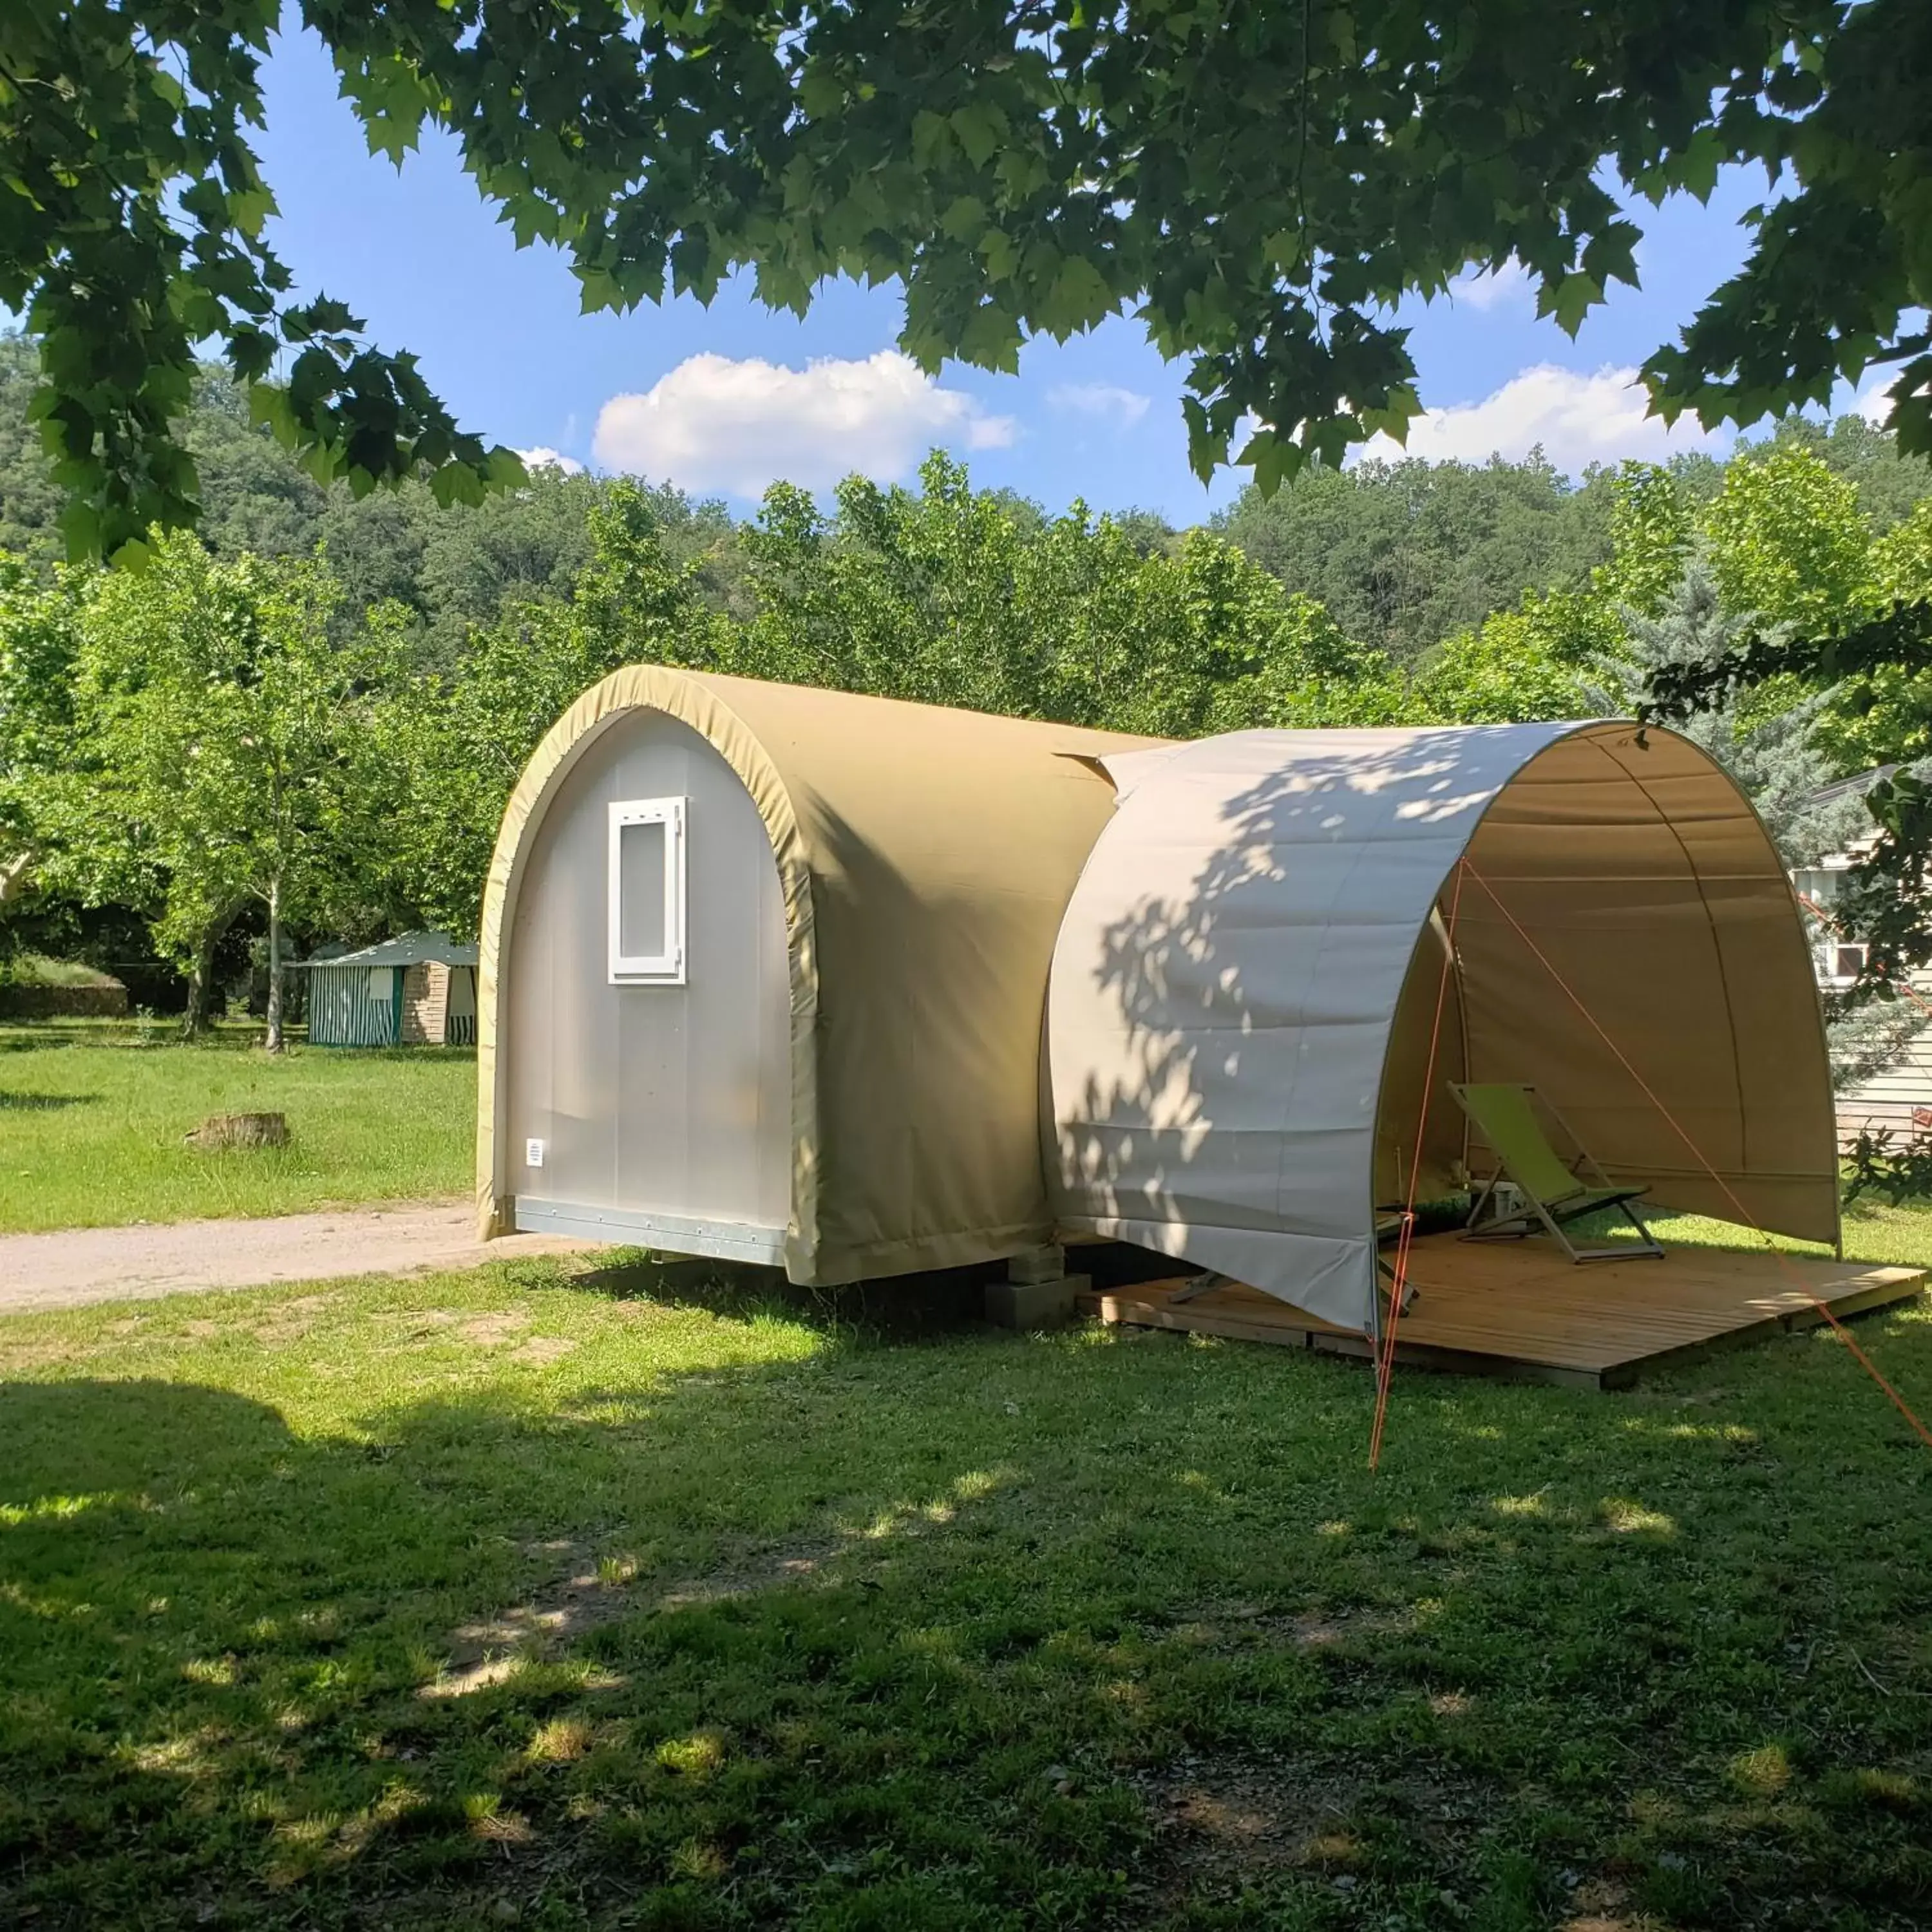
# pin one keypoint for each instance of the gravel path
(75, 1265)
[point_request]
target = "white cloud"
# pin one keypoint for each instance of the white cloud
(1508, 287)
(1123, 408)
(543, 458)
(715, 424)
(1579, 419)
(1871, 402)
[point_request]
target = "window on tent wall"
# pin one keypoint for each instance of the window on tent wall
(647, 890)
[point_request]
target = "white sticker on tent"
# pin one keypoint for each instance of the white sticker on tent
(533, 1154)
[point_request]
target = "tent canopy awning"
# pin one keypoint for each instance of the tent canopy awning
(1246, 1057)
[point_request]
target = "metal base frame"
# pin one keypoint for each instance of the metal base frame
(665, 1234)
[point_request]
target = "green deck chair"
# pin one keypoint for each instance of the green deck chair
(1558, 1192)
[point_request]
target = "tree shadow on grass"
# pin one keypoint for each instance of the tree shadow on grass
(903, 1309)
(43, 1103)
(1101, 1632)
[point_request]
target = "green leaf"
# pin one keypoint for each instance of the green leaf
(821, 93)
(456, 483)
(1570, 299)
(1394, 418)
(981, 128)
(1911, 211)
(997, 251)
(990, 339)
(1696, 167)
(964, 218)
(391, 137)
(1079, 296)
(82, 526)
(506, 469)
(932, 144)
(599, 291)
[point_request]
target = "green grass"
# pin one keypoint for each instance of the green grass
(954, 1630)
(1899, 1237)
(91, 1122)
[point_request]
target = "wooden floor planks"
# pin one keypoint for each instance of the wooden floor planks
(1521, 1310)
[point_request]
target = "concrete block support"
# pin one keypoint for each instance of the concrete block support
(1037, 1265)
(1034, 1304)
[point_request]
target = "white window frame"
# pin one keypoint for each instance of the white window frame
(666, 968)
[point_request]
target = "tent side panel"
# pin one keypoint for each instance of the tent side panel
(934, 948)
(1245, 985)
(667, 1101)
(327, 1014)
(343, 1011)
(944, 844)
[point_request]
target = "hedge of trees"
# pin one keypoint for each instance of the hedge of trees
(304, 721)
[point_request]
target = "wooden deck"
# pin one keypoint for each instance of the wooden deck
(1520, 1309)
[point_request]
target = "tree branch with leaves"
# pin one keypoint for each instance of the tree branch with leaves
(1261, 186)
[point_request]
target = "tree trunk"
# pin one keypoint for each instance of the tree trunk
(16, 875)
(273, 1042)
(201, 974)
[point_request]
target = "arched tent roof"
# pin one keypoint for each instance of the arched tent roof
(1245, 984)
(924, 855)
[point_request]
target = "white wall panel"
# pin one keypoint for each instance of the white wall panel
(651, 1098)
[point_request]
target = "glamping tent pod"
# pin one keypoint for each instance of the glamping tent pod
(764, 970)
(1287, 944)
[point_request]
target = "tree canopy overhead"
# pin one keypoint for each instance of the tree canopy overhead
(1260, 184)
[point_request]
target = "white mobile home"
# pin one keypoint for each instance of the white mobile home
(1896, 1096)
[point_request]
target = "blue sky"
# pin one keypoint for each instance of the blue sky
(721, 400)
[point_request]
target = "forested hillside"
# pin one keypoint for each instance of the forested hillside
(382, 667)
(1401, 555)
(1405, 554)
(445, 568)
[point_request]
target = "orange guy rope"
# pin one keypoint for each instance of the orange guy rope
(1385, 1362)
(1864, 1361)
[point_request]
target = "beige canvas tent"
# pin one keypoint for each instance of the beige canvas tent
(1247, 982)
(763, 972)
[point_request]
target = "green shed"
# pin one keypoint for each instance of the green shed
(417, 991)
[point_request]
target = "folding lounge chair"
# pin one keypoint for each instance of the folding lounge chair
(1388, 1235)
(1557, 1192)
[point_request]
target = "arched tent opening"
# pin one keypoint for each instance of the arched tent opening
(762, 971)
(1245, 985)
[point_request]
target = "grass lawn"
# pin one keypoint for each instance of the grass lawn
(91, 1121)
(529, 1597)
